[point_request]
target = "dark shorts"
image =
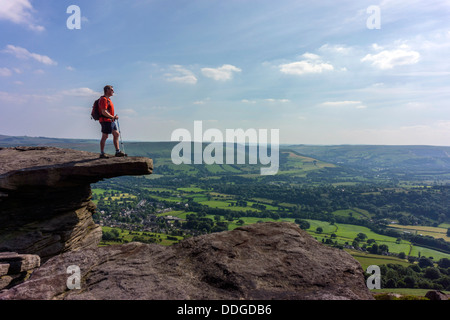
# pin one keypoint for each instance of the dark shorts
(108, 127)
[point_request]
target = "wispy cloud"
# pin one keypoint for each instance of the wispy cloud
(345, 103)
(80, 92)
(270, 100)
(180, 74)
(128, 112)
(222, 73)
(311, 63)
(336, 48)
(277, 100)
(5, 72)
(201, 102)
(22, 53)
(19, 12)
(388, 59)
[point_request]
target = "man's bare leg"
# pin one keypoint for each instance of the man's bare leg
(116, 139)
(103, 142)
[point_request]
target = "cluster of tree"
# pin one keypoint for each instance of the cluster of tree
(423, 275)
(205, 225)
(113, 235)
(259, 206)
(241, 203)
(428, 241)
(378, 249)
(425, 205)
(303, 224)
(145, 239)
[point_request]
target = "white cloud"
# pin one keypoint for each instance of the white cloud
(270, 100)
(22, 53)
(19, 12)
(201, 102)
(388, 59)
(80, 92)
(377, 47)
(180, 74)
(16, 98)
(304, 67)
(312, 64)
(346, 103)
(337, 48)
(222, 73)
(310, 56)
(5, 72)
(277, 100)
(128, 112)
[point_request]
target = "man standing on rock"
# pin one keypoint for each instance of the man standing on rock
(107, 121)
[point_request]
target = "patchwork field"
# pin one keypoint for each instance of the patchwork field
(367, 259)
(435, 232)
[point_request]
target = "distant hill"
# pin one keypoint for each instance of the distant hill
(405, 159)
(13, 141)
(133, 148)
(368, 161)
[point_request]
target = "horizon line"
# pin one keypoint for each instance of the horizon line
(210, 142)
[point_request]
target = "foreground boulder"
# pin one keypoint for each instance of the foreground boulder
(45, 197)
(261, 261)
(437, 295)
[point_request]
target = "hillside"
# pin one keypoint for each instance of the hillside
(290, 162)
(404, 162)
(335, 163)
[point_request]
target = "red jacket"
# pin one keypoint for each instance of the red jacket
(105, 104)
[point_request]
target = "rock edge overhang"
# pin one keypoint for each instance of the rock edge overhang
(58, 167)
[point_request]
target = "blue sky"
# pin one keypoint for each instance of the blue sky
(313, 70)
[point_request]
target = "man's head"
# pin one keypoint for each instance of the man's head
(108, 90)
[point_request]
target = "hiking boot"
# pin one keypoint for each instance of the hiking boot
(103, 155)
(120, 154)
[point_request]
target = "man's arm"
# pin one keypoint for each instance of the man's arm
(104, 110)
(108, 115)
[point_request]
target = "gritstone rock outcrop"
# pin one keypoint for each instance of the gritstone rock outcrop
(261, 261)
(45, 193)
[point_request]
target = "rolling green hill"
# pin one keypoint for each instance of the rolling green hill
(405, 159)
(291, 163)
(336, 163)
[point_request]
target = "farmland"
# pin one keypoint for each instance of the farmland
(435, 232)
(234, 211)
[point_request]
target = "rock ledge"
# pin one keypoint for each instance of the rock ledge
(45, 197)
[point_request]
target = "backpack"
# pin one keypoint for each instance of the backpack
(95, 113)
